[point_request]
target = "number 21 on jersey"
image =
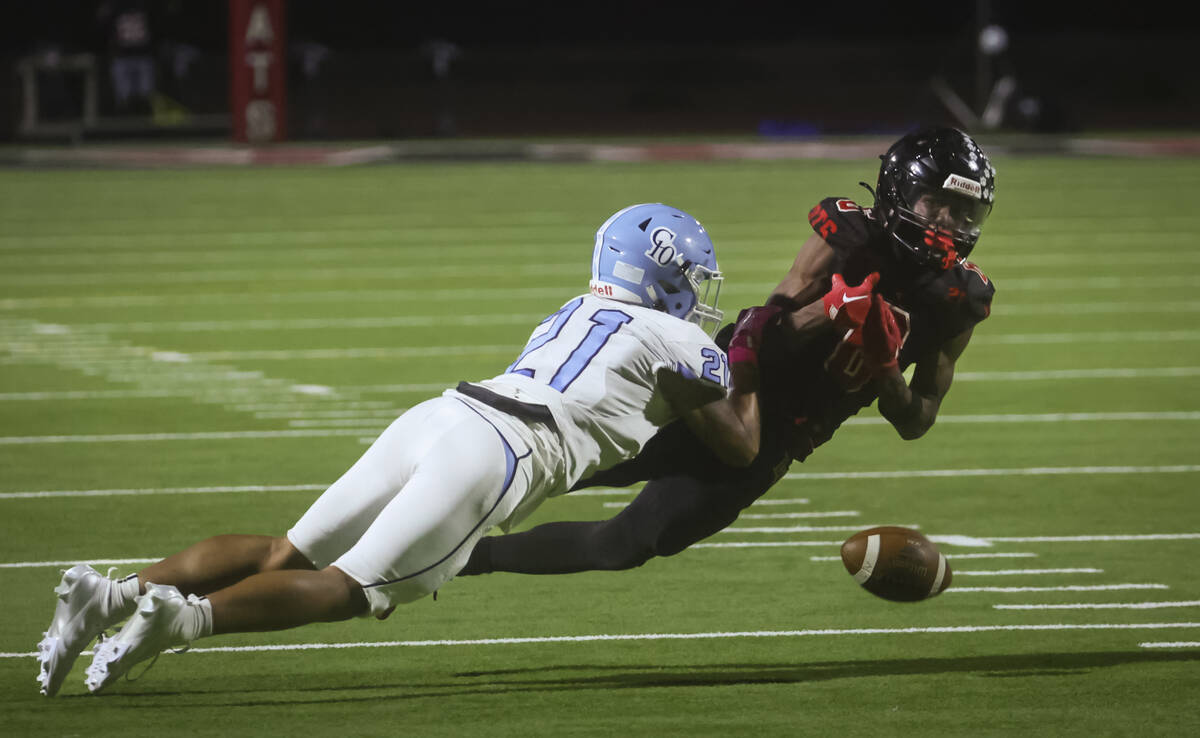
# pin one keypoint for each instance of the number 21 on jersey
(604, 323)
(560, 373)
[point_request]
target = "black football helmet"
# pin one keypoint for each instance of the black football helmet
(936, 188)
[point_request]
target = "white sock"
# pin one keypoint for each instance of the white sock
(122, 596)
(196, 619)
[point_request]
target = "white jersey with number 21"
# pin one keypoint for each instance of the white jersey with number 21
(594, 364)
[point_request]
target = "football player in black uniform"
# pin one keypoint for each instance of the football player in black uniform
(873, 290)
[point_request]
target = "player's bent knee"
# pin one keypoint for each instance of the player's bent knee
(618, 547)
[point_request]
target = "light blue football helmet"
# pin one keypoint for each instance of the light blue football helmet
(659, 257)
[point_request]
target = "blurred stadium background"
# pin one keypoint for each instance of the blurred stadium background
(374, 70)
(190, 342)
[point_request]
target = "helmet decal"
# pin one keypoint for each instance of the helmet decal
(966, 186)
(663, 250)
(659, 257)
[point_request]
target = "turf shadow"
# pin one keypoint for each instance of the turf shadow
(584, 677)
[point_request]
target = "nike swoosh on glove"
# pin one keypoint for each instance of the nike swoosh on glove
(848, 306)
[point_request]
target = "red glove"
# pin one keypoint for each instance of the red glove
(848, 306)
(883, 335)
(747, 333)
(866, 352)
(942, 243)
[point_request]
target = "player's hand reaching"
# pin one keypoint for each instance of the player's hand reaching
(747, 333)
(872, 349)
(882, 336)
(848, 306)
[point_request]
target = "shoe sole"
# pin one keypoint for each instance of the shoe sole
(55, 655)
(114, 657)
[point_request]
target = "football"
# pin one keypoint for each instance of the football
(897, 564)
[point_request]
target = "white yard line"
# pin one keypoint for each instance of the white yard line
(534, 640)
(309, 413)
(1170, 644)
(1021, 572)
(296, 324)
(793, 515)
(416, 272)
(1027, 471)
(363, 424)
(952, 556)
(391, 297)
(1074, 374)
(814, 529)
(1061, 588)
(194, 436)
(435, 320)
(986, 338)
(792, 501)
(756, 503)
(93, 562)
(38, 494)
(379, 352)
(1097, 308)
(1045, 417)
(953, 541)
(1097, 538)
(1081, 417)
(768, 544)
(1103, 605)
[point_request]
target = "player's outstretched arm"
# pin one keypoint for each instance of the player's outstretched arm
(912, 408)
(731, 427)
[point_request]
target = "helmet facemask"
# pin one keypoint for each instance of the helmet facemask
(706, 286)
(936, 188)
(941, 226)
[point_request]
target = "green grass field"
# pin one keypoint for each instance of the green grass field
(184, 353)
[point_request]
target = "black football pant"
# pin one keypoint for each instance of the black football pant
(689, 496)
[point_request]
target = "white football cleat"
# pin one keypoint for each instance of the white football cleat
(155, 626)
(82, 614)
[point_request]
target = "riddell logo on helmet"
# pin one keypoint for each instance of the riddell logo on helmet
(966, 186)
(602, 290)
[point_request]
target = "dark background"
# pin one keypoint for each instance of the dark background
(364, 69)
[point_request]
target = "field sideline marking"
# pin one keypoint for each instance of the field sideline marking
(1170, 644)
(944, 629)
(1103, 606)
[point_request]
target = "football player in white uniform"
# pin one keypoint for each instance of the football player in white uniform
(596, 380)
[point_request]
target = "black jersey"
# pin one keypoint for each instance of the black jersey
(796, 389)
